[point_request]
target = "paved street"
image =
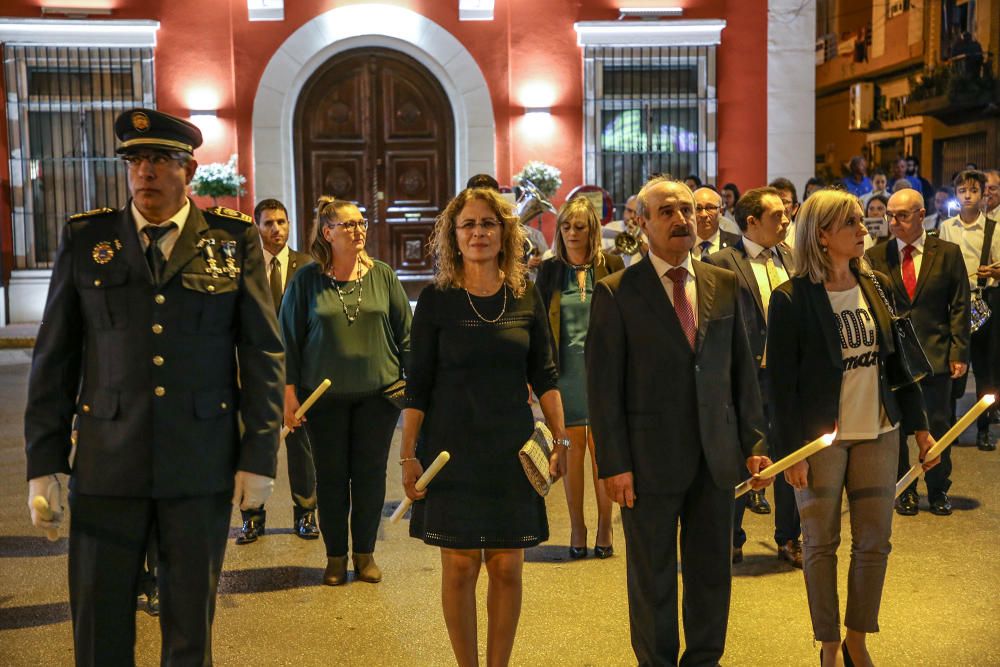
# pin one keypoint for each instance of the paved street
(941, 604)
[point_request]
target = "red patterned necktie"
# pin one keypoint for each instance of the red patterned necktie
(681, 304)
(909, 271)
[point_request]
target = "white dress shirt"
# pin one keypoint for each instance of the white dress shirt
(714, 240)
(728, 224)
(758, 262)
(168, 240)
(918, 253)
(282, 264)
(662, 266)
(969, 238)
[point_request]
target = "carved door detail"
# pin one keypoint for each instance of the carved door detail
(375, 127)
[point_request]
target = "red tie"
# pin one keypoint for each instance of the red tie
(681, 304)
(909, 272)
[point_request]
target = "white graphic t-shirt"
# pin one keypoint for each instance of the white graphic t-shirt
(861, 415)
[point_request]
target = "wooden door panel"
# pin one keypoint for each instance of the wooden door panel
(409, 242)
(410, 179)
(340, 173)
(407, 112)
(339, 110)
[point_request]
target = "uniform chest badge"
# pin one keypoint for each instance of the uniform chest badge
(104, 252)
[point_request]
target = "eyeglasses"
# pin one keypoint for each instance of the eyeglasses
(901, 216)
(350, 225)
(706, 208)
(155, 159)
(488, 225)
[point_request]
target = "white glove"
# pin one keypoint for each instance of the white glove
(45, 504)
(252, 490)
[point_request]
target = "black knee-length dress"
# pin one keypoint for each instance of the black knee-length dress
(469, 376)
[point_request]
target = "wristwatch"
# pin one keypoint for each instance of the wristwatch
(562, 441)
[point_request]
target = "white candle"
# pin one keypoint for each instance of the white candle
(800, 454)
(313, 397)
(949, 437)
(421, 484)
(41, 505)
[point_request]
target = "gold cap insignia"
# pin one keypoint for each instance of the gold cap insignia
(140, 121)
(103, 252)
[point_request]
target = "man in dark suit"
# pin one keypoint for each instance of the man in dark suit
(675, 409)
(761, 263)
(281, 262)
(929, 282)
(151, 310)
(708, 212)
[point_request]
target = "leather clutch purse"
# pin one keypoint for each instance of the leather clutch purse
(534, 456)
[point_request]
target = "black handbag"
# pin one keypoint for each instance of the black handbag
(912, 364)
(395, 393)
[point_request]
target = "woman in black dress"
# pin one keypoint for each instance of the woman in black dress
(479, 337)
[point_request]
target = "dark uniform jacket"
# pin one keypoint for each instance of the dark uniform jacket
(940, 307)
(152, 371)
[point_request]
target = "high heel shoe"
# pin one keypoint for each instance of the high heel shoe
(604, 552)
(847, 656)
(576, 553)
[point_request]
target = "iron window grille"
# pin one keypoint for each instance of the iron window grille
(649, 110)
(61, 106)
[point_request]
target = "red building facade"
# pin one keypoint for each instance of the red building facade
(516, 87)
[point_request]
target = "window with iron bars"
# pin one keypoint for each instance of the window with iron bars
(61, 105)
(649, 110)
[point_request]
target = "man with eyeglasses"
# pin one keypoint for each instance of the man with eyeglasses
(281, 263)
(708, 212)
(929, 283)
(790, 200)
(976, 235)
(160, 334)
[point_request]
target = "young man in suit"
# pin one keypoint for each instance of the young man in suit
(928, 282)
(708, 214)
(675, 425)
(271, 218)
(157, 329)
(761, 263)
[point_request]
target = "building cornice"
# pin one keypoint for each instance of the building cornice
(78, 32)
(687, 32)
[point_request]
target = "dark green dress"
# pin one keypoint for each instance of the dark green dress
(574, 319)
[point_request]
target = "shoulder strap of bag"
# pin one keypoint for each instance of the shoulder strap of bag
(984, 256)
(878, 288)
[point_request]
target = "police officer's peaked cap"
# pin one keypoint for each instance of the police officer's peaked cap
(148, 128)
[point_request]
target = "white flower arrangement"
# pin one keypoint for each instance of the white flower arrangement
(544, 176)
(218, 180)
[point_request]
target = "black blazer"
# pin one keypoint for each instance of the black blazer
(656, 406)
(940, 307)
(152, 369)
(728, 240)
(736, 260)
(804, 350)
(296, 260)
(551, 277)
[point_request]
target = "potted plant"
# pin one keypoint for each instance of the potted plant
(218, 179)
(545, 177)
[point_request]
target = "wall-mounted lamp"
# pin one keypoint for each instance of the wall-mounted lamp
(538, 110)
(538, 122)
(204, 113)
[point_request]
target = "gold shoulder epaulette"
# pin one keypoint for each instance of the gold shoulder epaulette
(230, 213)
(91, 214)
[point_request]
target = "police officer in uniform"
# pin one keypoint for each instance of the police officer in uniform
(151, 310)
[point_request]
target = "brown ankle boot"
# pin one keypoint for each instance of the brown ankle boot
(366, 569)
(336, 571)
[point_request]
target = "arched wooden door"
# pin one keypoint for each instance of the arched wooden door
(373, 126)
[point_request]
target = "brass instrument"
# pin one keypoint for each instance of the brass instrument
(627, 242)
(532, 203)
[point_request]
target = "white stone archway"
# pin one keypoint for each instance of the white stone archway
(351, 27)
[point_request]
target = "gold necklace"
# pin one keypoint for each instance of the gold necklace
(479, 315)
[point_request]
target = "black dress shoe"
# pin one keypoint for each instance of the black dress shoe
(576, 553)
(305, 526)
(253, 527)
(906, 504)
(847, 656)
(737, 555)
(940, 505)
(757, 503)
(604, 552)
(984, 442)
(150, 598)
